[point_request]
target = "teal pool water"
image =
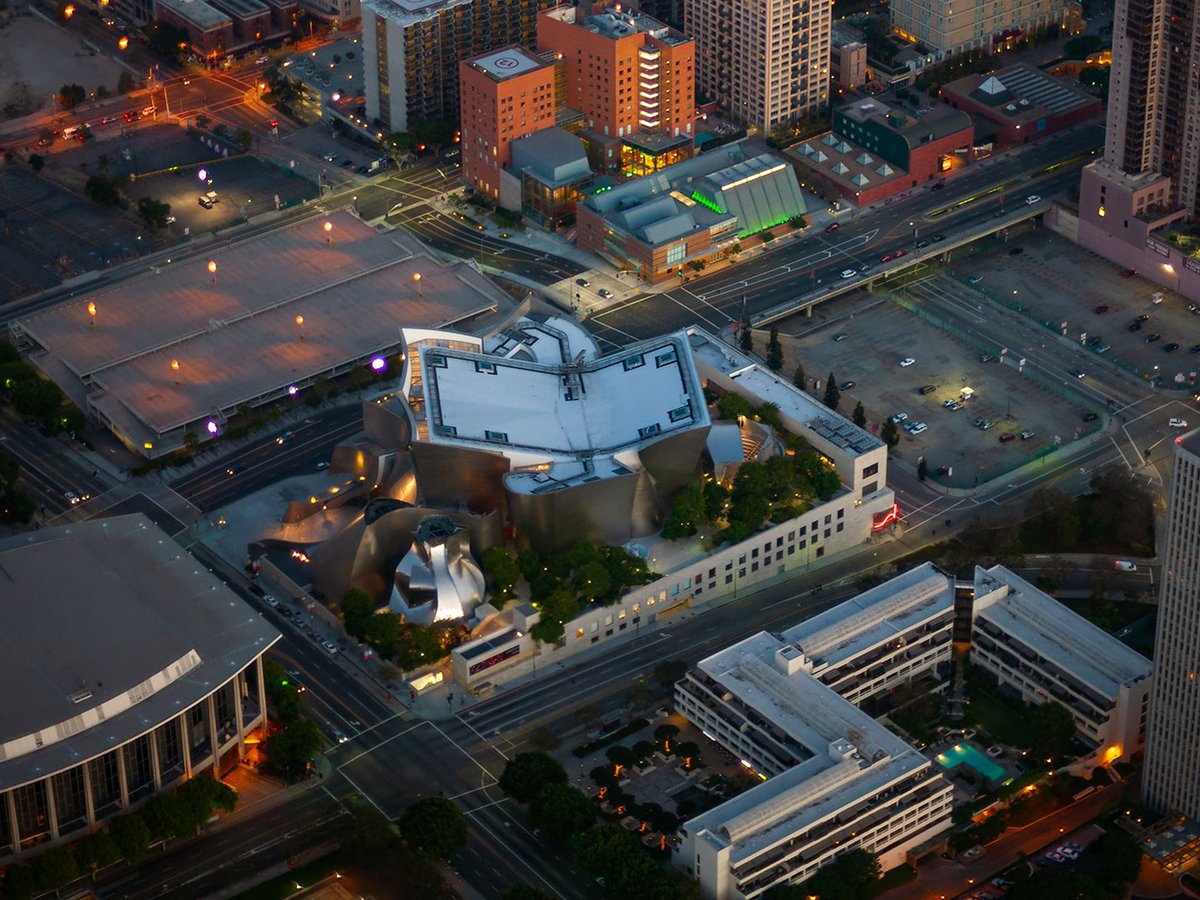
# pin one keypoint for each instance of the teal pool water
(965, 754)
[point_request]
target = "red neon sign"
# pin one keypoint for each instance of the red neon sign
(888, 518)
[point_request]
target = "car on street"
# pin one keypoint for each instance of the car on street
(864, 269)
(1129, 273)
(975, 279)
(71, 497)
(1153, 338)
(322, 465)
(839, 337)
(1032, 199)
(1079, 373)
(1102, 309)
(1027, 434)
(605, 293)
(848, 273)
(1195, 348)
(899, 417)
(270, 600)
(845, 385)
(1171, 347)
(906, 362)
(832, 227)
(1176, 422)
(328, 645)
(1144, 317)
(329, 157)
(922, 244)
(1007, 436)
(583, 282)
(233, 470)
(338, 736)
(347, 164)
(261, 61)
(926, 389)
(986, 357)
(937, 185)
(285, 437)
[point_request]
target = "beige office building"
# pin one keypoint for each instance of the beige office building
(765, 62)
(958, 27)
(1171, 782)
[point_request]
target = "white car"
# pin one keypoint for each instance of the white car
(328, 645)
(917, 428)
(1177, 423)
(1032, 199)
(848, 273)
(906, 362)
(270, 600)
(1068, 852)
(899, 417)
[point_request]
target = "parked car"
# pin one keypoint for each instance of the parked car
(986, 357)
(1027, 434)
(1102, 309)
(270, 600)
(1171, 347)
(1135, 326)
(1153, 338)
(899, 417)
(1007, 436)
(1175, 422)
(322, 465)
(605, 293)
(845, 385)
(839, 337)
(922, 244)
(1032, 199)
(329, 157)
(926, 389)
(1195, 348)
(832, 227)
(938, 238)
(1129, 273)
(906, 362)
(975, 279)
(1067, 852)
(329, 647)
(205, 202)
(918, 428)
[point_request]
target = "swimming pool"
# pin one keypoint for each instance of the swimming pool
(965, 754)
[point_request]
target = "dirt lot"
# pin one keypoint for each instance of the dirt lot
(34, 55)
(1054, 281)
(878, 334)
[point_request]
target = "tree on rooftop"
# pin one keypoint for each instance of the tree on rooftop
(687, 513)
(502, 570)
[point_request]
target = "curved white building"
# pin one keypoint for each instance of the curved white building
(126, 666)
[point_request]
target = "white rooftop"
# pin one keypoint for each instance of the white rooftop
(863, 622)
(793, 403)
(502, 64)
(853, 756)
(1039, 621)
(560, 409)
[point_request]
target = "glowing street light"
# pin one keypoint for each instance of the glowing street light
(212, 270)
(328, 226)
(91, 308)
(175, 369)
(417, 279)
(300, 325)
(202, 174)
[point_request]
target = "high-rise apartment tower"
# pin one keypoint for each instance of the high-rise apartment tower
(1171, 781)
(764, 61)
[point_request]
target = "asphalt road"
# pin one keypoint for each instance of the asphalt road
(809, 269)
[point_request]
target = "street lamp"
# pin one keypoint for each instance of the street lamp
(328, 226)
(417, 279)
(91, 308)
(212, 270)
(175, 369)
(300, 325)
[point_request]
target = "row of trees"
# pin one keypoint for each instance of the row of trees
(607, 850)
(16, 506)
(35, 397)
(290, 747)
(165, 816)
(406, 644)
(563, 584)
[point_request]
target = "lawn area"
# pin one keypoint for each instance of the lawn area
(1005, 718)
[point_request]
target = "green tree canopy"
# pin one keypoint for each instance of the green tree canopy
(368, 832)
(774, 350)
(54, 868)
(1053, 729)
(687, 513)
(1057, 884)
(561, 811)
(130, 834)
(154, 213)
(71, 95)
(434, 826)
(289, 750)
(36, 397)
(832, 395)
(1120, 855)
(96, 851)
(859, 416)
(502, 570)
(889, 433)
(356, 611)
(799, 379)
(527, 774)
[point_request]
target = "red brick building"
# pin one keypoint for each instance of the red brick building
(1020, 103)
(875, 151)
(504, 95)
(632, 78)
